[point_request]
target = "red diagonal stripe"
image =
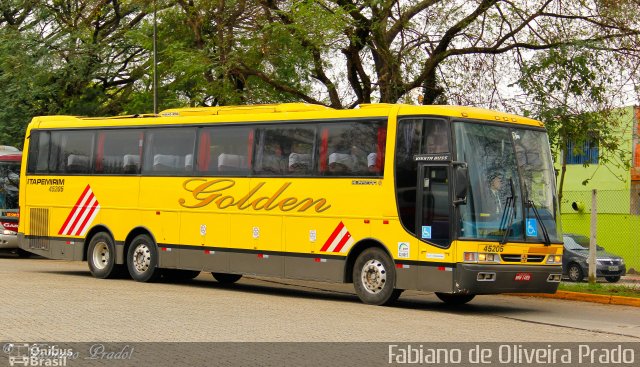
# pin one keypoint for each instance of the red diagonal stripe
(332, 237)
(343, 240)
(78, 213)
(86, 189)
(86, 219)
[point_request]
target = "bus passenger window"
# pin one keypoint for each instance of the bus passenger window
(167, 150)
(77, 163)
(223, 150)
(39, 152)
(299, 162)
(353, 148)
(118, 151)
(284, 150)
(71, 151)
(131, 163)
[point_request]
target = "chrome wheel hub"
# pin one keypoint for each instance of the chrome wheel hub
(374, 276)
(141, 258)
(101, 255)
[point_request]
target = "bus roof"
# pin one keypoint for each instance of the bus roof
(278, 112)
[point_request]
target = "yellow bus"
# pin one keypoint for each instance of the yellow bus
(454, 200)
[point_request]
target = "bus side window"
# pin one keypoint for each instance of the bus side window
(39, 152)
(353, 149)
(169, 151)
(284, 150)
(71, 151)
(224, 150)
(118, 152)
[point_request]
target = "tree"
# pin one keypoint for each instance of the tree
(568, 86)
(66, 57)
(391, 48)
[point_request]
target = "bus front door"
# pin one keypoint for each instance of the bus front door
(433, 205)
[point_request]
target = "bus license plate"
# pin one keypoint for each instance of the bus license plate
(523, 277)
(613, 268)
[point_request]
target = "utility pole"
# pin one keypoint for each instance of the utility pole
(155, 59)
(592, 240)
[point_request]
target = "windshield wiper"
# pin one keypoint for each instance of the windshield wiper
(510, 207)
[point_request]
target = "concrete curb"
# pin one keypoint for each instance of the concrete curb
(586, 297)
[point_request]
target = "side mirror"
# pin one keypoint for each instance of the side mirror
(461, 182)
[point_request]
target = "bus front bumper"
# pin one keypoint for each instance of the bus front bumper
(494, 279)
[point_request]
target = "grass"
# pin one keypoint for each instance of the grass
(624, 290)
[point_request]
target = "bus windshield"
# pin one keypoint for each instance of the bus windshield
(512, 184)
(9, 183)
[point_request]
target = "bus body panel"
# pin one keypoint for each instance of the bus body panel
(293, 227)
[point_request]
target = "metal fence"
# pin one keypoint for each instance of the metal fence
(618, 221)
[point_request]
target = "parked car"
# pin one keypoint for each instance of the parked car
(575, 260)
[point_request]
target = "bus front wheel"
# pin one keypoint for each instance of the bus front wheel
(142, 259)
(374, 277)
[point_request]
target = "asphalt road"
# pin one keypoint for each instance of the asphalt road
(48, 300)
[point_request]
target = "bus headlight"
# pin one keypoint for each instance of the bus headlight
(471, 257)
(475, 257)
(554, 259)
(488, 258)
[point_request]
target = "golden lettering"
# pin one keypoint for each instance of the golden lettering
(257, 202)
(206, 192)
(205, 188)
(308, 202)
(275, 196)
(222, 205)
(288, 204)
(246, 198)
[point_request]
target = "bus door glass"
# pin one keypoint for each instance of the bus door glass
(433, 204)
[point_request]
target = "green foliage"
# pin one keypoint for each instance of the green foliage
(93, 58)
(569, 88)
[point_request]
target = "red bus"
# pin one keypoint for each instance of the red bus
(10, 160)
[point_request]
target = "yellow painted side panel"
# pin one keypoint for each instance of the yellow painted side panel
(205, 229)
(256, 232)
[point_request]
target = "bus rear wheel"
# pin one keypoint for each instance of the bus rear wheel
(101, 256)
(142, 259)
(374, 277)
(225, 278)
(455, 299)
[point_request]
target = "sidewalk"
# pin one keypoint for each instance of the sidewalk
(629, 280)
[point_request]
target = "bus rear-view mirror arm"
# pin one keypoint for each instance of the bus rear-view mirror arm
(461, 182)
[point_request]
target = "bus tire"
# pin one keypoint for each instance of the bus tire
(101, 256)
(142, 259)
(374, 277)
(455, 299)
(226, 278)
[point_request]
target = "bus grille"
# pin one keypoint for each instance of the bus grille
(514, 258)
(39, 228)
